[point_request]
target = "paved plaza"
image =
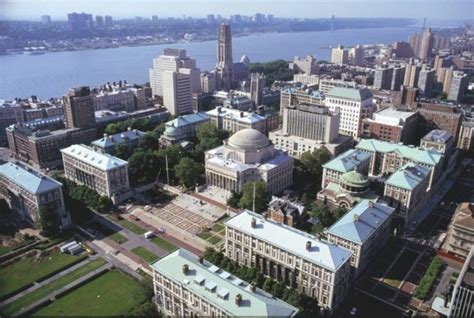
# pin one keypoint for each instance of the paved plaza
(216, 194)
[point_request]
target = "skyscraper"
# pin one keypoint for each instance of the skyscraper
(257, 83)
(99, 21)
(412, 72)
(356, 55)
(459, 84)
(224, 65)
(79, 108)
(108, 20)
(339, 55)
(80, 21)
(426, 45)
(415, 43)
(45, 19)
(383, 77)
(172, 60)
(426, 80)
(177, 91)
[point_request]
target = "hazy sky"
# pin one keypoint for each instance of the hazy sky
(432, 9)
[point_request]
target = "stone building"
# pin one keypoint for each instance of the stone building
(460, 236)
(248, 156)
(287, 211)
(314, 267)
(108, 144)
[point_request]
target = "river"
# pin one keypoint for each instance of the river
(52, 74)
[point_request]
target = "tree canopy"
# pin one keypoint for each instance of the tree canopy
(188, 172)
(49, 221)
(261, 196)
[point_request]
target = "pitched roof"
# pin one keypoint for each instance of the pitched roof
(347, 161)
(429, 156)
(86, 154)
(408, 177)
(119, 138)
(28, 178)
(358, 94)
(189, 119)
(220, 288)
(361, 221)
(322, 253)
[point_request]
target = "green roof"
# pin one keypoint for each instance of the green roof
(219, 287)
(408, 177)
(429, 156)
(347, 161)
(354, 179)
(358, 94)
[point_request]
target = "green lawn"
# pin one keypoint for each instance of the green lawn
(119, 238)
(145, 254)
(36, 295)
(6, 249)
(214, 240)
(29, 270)
(164, 244)
(204, 235)
(131, 226)
(111, 294)
(109, 233)
(217, 227)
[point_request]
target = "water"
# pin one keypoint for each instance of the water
(52, 74)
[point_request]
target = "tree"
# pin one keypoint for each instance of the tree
(261, 196)
(313, 161)
(308, 171)
(317, 228)
(143, 166)
(188, 172)
(206, 130)
(149, 141)
(268, 284)
(104, 204)
(233, 200)
(122, 151)
(49, 221)
(208, 143)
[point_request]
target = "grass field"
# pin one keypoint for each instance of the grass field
(29, 270)
(145, 254)
(119, 238)
(204, 235)
(215, 239)
(36, 295)
(217, 227)
(6, 249)
(111, 294)
(131, 226)
(109, 233)
(398, 271)
(164, 244)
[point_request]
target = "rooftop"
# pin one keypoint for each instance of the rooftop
(231, 113)
(87, 155)
(28, 178)
(189, 119)
(361, 221)
(347, 161)
(429, 157)
(219, 287)
(391, 116)
(322, 253)
(358, 94)
(438, 135)
(408, 177)
(122, 137)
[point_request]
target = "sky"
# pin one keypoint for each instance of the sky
(58, 9)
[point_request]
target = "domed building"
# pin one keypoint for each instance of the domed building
(248, 155)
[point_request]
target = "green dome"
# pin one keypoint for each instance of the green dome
(355, 179)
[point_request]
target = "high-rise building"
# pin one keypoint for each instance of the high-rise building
(383, 77)
(259, 18)
(415, 43)
(339, 55)
(412, 72)
(80, 21)
(79, 108)
(463, 294)
(208, 82)
(426, 81)
(237, 18)
(211, 19)
(459, 85)
(172, 60)
(356, 55)
(45, 19)
(402, 50)
(154, 18)
(398, 76)
(177, 91)
(225, 63)
(257, 83)
(99, 21)
(426, 45)
(108, 20)
(305, 65)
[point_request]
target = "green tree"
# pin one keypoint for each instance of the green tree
(188, 172)
(261, 196)
(268, 284)
(49, 221)
(104, 204)
(122, 151)
(233, 200)
(149, 141)
(143, 166)
(317, 228)
(206, 131)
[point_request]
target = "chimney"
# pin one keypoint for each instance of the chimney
(253, 287)
(253, 223)
(238, 299)
(201, 259)
(308, 245)
(356, 217)
(185, 268)
(371, 204)
(105, 135)
(241, 114)
(129, 128)
(219, 109)
(265, 215)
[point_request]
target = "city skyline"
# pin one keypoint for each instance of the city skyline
(435, 10)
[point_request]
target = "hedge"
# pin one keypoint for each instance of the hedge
(424, 287)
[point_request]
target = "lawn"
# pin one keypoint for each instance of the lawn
(6, 249)
(111, 294)
(217, 227)
(215, 239)
(36, 295)
(164, 244)
(145, 254)
(26, 271)
(109, 233)
(205, 235)
(131, 226)
(398, 271)
(117, 237)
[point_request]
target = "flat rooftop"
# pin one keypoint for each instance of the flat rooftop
(28, 178)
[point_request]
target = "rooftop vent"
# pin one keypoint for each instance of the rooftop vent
(371, 204)
(185, 268)
(201, 260)
(253, 223)
(253, 287)
(308, 245)
(356, 217)
(238, 299)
